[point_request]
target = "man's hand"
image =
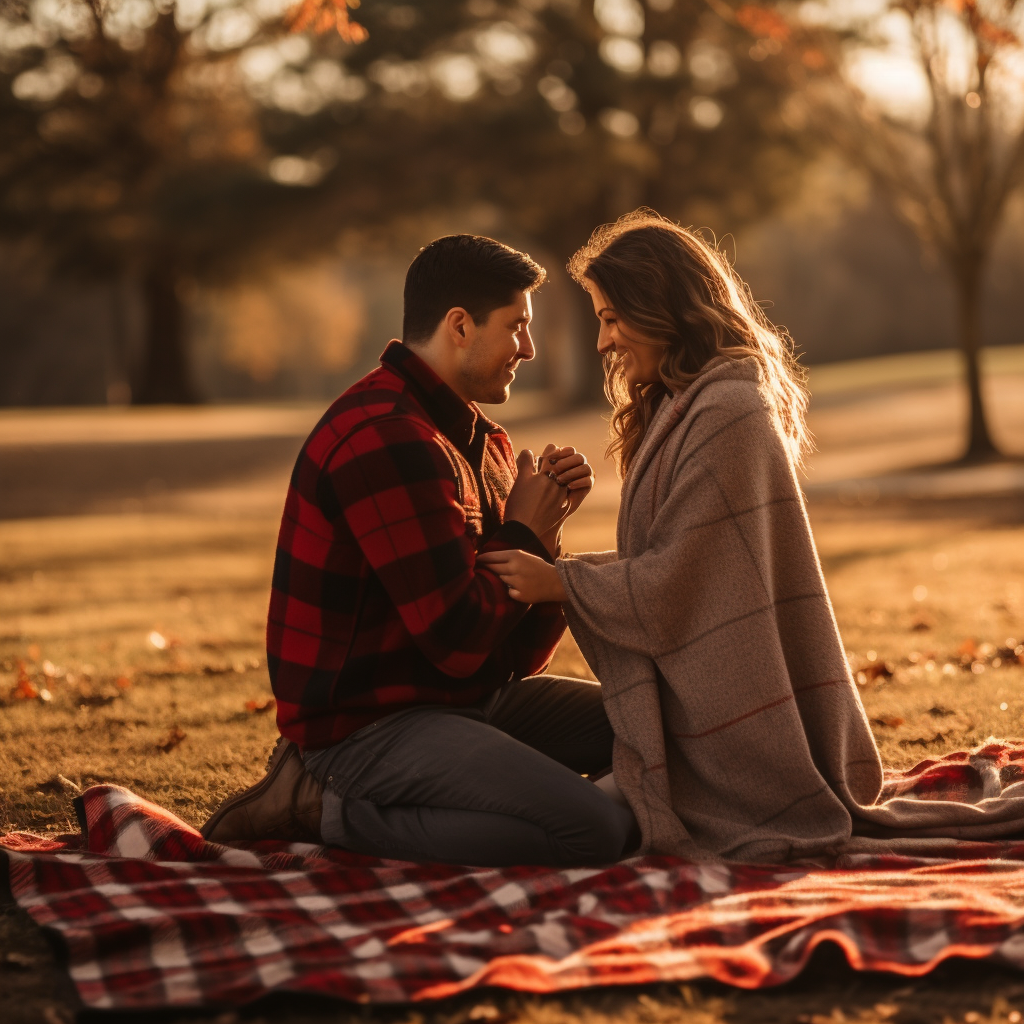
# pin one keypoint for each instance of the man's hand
(529, 579)
(536, 499)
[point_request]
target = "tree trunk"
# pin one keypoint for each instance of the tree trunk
(165, 373)
(979, 441)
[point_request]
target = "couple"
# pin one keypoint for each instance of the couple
(420, 590)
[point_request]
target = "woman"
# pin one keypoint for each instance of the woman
(739, 731)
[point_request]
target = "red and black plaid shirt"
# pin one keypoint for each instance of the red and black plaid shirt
(377, 604)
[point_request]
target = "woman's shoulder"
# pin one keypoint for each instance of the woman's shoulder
(727, 425)
(726, 392)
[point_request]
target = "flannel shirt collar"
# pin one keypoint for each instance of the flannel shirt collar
(463, 424)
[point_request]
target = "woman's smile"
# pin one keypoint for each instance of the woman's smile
(640, 358)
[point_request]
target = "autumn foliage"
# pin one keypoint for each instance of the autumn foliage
(326, 15)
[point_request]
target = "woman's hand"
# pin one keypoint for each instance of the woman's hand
(569, 469)
(537, 500)
(529, 579)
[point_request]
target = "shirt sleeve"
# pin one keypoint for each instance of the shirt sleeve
(536, 638)
(394, 486)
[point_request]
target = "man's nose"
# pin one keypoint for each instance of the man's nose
(526, 347)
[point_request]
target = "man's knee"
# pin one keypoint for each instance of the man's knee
(601, 834)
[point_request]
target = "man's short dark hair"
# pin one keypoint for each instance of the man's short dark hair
(471, 271)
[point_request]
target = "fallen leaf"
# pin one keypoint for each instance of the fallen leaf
(174, 737)
(968, 649)
(164, 673)
(258, 707)
(873, 671)
(25, 689)
(122, 682)
(923, 741)
(34, 652)
(87, 699)
(888, 721)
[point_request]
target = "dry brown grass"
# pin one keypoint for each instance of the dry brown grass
(81, 596)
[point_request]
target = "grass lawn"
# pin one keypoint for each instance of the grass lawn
(132, 648)
(143, 638)
(131, 651)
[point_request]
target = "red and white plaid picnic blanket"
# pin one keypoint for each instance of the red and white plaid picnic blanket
(152, 915)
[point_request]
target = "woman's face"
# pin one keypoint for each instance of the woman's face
(640, 357)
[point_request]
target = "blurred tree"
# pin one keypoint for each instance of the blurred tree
(127, 146)
(925, 95)
(189, 140)
(558, 114)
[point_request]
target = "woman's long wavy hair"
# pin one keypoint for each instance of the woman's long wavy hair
(682, 294)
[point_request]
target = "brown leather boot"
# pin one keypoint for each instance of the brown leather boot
(286, 803)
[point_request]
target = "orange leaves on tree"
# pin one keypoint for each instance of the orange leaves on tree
(814, 59)
(763, 22)
(995, 35)
(323, 15)
(984, 30)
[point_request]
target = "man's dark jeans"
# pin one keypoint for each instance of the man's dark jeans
(495, 784)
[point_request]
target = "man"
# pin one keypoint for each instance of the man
(414, 724)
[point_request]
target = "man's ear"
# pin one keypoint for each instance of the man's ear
(460, 326)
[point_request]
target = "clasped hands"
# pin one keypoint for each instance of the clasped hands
(546, 491)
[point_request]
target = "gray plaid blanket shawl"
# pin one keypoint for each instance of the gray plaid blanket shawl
(739, 731)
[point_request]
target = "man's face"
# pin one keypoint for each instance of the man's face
(499, 343)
